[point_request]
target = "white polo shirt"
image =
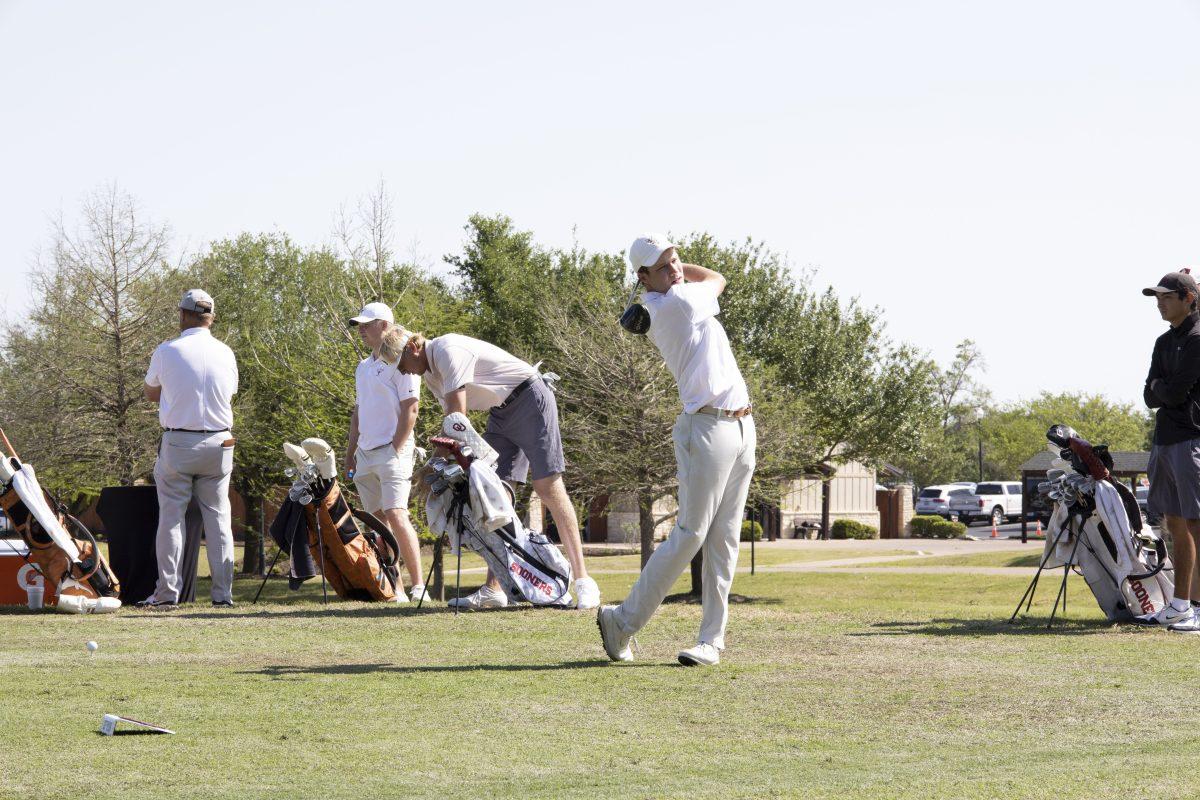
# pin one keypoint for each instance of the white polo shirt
(489, 373)
(199, 377)
(379, 389)
(684, 328)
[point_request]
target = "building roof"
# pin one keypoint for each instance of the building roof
(1125, 462)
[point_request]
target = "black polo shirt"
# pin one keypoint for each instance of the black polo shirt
(1173, 385)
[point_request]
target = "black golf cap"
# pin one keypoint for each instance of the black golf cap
(1173, 282)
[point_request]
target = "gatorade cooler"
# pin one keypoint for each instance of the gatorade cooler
(16, 575)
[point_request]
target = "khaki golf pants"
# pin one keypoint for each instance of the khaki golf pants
(194, 465)
(716, 460)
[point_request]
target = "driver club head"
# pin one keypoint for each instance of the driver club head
(635, 319)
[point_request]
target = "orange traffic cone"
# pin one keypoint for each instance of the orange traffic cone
(1039, 533)
(995, 533)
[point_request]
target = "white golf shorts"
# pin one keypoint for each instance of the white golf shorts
(383, 477)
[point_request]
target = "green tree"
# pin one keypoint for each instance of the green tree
(1014, 433)
(104, 299)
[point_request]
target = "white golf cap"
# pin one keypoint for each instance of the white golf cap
(372, 312)
(197, 300)
(647, 249)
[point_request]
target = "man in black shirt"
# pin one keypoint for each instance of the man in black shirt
(1173, 387)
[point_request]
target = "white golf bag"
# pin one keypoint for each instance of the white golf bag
(465, 499)
(1096, 529)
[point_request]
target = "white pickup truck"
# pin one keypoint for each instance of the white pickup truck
(994, 502)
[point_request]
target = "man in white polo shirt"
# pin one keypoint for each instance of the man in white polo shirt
(381, 449)
(467, 374)
(193, 379)
(714, 448)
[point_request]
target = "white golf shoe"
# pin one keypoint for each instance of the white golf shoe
(400, 597)
(587, 593)
(418, 594)
(1189, 625)
(1167, 616)
(485, 597)
(702, 655)
(615, 640)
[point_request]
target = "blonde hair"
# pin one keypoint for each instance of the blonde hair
(395, 340)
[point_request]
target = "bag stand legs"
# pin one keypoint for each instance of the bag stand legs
(1027, 598)
(267, 576)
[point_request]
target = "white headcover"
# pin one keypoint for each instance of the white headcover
(322, 455)
(8, 468)
(458, 427)
(297, 455)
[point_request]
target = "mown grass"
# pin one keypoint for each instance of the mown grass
(1026, 558)
(834, 686)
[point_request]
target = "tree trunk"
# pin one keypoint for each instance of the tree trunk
(646, 524)
(437, 584)
(252, 535)
(825, 509)
(698, 573)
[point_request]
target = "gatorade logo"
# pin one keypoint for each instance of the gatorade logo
(458, 426)
(29, 578)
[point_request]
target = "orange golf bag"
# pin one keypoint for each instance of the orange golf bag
(358, 561)
(71, 564)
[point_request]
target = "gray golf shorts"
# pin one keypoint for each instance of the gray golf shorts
(525, 434)
(1175, 479)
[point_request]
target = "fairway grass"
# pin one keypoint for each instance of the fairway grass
(833, 686)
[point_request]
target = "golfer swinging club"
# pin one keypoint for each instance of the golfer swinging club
(521, 437)
(381, 448)
(714, 448)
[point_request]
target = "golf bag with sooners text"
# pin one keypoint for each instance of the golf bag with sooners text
(1096, 530)
(467, 501)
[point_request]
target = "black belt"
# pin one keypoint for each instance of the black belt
(522, 386)
(189, 430)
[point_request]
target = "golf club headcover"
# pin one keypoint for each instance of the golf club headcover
(459, 428)
(322, 455)
(297, 455)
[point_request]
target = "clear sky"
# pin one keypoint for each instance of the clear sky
(1010, 172)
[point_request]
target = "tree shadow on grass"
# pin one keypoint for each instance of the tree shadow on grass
(337, 610)
(686, 598)
(1029, 626)
(281, 672)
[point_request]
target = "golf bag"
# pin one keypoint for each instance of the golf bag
(467, 501)
(74, 567)
(1096, 530)
(359, 564)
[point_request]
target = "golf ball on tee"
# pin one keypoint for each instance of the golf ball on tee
(92, 647)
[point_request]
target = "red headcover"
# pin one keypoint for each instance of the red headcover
(1083, 449)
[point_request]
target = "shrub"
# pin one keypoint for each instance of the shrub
(751, 528)
(921, 525)
(851, 529)
(946, 529)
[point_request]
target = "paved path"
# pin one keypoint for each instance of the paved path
(872, 549)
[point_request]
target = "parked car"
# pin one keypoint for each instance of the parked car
(993, 502)
(936, 499)
(1141, 494)
(5, 525)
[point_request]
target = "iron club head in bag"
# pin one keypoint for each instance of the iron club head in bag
(635, 319)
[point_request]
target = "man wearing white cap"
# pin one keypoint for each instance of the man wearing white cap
(380, 454)
(714, 447)
(193, 379)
